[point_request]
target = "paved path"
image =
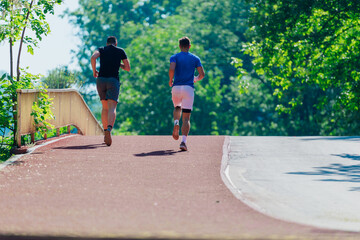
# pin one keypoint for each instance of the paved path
(309, 180)
(140, 187)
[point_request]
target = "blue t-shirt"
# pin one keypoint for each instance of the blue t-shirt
(186, 63)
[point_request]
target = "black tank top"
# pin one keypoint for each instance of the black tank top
(110, 60)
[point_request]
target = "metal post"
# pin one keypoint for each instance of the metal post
(32, 137)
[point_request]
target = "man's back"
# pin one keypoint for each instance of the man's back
(186, 63)
(110, 60)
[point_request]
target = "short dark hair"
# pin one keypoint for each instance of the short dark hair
(111, 40)
(184, 42)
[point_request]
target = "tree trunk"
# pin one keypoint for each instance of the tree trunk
(11, 59)
(14, 97)
(21, 42)
(18, 71)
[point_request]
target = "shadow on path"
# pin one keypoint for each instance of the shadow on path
(339, 172)
(16, 163)
(90, 146)
(157, 153)
(354, 157)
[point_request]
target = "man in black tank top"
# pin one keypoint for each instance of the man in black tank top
(107, 81)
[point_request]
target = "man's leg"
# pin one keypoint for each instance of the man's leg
(177, 115)
(185, 128)
(111, 112)
(104, 113)
(187, 105)
(176, 99)
(111, 104)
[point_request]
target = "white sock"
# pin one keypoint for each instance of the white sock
(184, 138)
(176, 122)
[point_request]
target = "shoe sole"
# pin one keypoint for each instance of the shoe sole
(183, 148)
(176, 132)
(107, 139)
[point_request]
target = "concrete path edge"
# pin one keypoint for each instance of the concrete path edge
(225, 176)
(15, 158)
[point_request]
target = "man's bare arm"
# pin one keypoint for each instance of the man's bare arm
(125, 65)
(201, 74)
(95, 55)
(171, 73)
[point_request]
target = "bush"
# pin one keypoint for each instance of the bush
(8, 104)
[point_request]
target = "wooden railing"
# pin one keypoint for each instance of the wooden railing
(69, 109)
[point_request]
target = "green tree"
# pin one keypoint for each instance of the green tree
(16, 17)
(61, 77)
(308, 51)
(125, 19)
(218, 31)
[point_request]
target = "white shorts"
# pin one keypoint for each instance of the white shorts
(183, 96)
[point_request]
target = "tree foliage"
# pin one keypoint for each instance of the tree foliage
(125, 19)
(17, 16)
(41, 110)
(145, 102)
(308, 51)
(61, 77)
(296, 57)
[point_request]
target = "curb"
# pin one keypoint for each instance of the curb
(224, 170)
(225, 176)
(15, 158)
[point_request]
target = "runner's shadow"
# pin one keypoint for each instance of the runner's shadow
(16, 163)
(157, 153)
(90, 146)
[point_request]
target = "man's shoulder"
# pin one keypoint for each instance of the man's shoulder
(115, 48)
(112, 48)
(119, 49)
(194, 56)
(175, 55)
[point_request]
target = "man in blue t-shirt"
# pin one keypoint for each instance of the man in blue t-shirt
(107, 81)
(182, 79)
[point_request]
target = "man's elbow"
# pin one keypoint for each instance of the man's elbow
(93, 59)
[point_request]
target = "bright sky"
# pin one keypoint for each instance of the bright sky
(53, 51)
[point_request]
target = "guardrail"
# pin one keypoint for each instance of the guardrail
(69, 109)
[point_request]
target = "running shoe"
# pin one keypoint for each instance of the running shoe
(183, 146)
(107, 138)
(176, 132)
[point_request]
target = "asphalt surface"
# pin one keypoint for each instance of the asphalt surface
(142, 187)
(309, 180)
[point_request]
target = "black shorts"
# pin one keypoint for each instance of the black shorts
(108, 88)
